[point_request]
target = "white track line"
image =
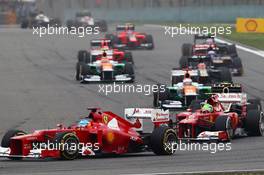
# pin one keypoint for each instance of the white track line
(202, 172)
(239, 46)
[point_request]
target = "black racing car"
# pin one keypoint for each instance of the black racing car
(222, 54)
(85, 19)
(39, 20)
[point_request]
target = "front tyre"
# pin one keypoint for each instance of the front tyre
(224, 123)
(163, 141)
(68, 144)
(7, 140)
(254, 123)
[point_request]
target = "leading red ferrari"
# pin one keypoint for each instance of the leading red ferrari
(98, 133)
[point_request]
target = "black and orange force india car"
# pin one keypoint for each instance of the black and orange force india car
(221, 54)
(127, 38)
(98, 133)
(116, 65)
(230, 114)
(203, 70)
(181, 93)
(85, 19)
(104, 69)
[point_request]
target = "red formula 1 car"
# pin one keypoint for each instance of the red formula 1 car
(229, 114)
(127, 38)
(100, 132)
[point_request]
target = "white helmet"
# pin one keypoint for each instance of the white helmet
(187, 81)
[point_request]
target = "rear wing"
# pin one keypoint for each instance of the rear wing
(155, 115)
(180, 72)
(195, 60)
(227, 88)
(125, 27)
(203, 36)
(101, 42)
(83, 14)
(199, 59)
(232, 97)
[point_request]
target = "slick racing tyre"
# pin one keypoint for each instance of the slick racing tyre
(232, 51)
(129, 69)
(24, 24)
(187, 49)
(149, 40)
(254, 104)
(163, 141)
(183, 62)
(7, 138)
(176, 79)
(8, 135)
(224, 123)
(160, 96)
(128, 57)
(84, 56)
(78, 72)
(68, 144)
(254, 123)
(237, 64)
(225, 75)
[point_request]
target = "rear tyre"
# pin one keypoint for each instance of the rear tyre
(84, 56)
(254, 104)
(129, 69)
(160, 95)
(254, 123)
(162, 141)
(232, 50)
(223, 123)
(237, 64)
(149, 40)
(176, 80)
(68, 144)
(187, 49)
(24, 24)
(225, 75)
(78, 72)
(195, 105)
(128, 56)
(183, 62)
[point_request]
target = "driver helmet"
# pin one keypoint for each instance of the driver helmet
(187, 81)
(83, 122)
(209, 41)
(213, 100)
(207, 107)
(211, 52)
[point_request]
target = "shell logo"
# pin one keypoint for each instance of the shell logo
(251, 25)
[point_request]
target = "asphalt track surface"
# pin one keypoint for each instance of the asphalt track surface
(38, 90)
